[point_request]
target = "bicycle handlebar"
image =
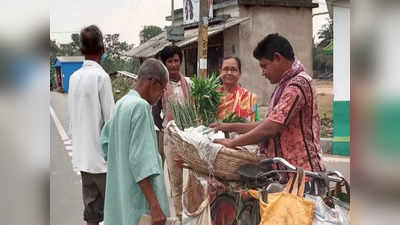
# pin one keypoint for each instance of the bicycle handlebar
(278, 160)
(338, 178)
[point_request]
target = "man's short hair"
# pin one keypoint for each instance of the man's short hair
(168, 52)
(91, 40)
(153, 68)
(271, 44)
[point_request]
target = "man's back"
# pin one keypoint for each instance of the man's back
(90, 102)
(129, 143)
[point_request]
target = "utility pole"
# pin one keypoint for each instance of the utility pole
(172, 12)
(202, 41)
(172, 17)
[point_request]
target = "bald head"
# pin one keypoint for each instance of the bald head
(153, 68)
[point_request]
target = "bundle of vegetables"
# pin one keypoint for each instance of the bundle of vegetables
(185, 115)
(203, 107)
(233, 118)
(206, 98)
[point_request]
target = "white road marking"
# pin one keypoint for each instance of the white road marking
(61, 131)
(64, 137)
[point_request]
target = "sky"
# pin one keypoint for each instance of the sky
(126, 17)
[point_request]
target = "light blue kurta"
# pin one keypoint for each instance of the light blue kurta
(130, 147)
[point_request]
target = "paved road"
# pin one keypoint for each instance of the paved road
(65, 188)
(339, 163)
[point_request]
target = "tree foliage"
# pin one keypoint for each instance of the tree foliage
(150, 32)
(325, 34)
(54, 49)
(323, 63)
(117, 60)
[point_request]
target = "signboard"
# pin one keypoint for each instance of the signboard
(191, 11)
(175, 33)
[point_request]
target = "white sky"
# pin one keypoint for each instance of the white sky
(126, 17)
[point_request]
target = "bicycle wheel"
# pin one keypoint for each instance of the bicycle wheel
(249, 214)
(223, 210)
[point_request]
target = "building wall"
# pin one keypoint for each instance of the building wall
(341, 80)
(231, 41)
(178, 17)
(233, 11)
(341, 57)
(293, 23)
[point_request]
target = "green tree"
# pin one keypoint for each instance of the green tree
(54, 49)
(149, 32)
(72, 48)
(133, 65)
(325, 34)
(323, 63)
(75, 44)
(116, 51)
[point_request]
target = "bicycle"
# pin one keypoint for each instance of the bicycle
(234, 208)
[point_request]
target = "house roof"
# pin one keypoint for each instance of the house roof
(67, 59)
(157, 43)
(128, 74)
(70, 58)
(218, 4)
(280, 3)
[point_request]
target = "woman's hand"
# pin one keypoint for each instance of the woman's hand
(220, 127)
(179, 161)
(225, 142)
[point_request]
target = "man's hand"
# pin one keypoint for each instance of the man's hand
(157, 215)
(219, 127)
(225, 142)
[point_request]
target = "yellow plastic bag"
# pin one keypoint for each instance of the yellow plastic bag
(288, 207)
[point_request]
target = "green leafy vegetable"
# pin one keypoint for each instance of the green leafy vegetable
(185, 115)
(206, 97)
(233, 118)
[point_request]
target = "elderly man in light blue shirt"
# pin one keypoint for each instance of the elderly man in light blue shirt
(135, 179)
